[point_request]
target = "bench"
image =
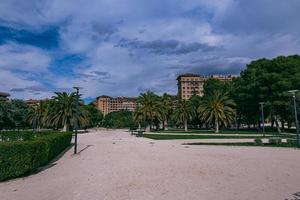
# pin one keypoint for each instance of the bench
(138, 132)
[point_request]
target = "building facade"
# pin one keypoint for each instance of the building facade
(192, 84)
(107, 104)
(4, 96)
(189, 85)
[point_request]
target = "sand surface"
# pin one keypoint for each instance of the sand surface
(114, 165)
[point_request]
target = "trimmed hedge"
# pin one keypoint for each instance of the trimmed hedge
(20, 157)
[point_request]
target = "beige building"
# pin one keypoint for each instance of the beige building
(192, 84)
(33, 102)
(107, 104)
(4, 96)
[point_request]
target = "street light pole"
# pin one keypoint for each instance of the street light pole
(76, 118)
(262, 116)
(293, 92)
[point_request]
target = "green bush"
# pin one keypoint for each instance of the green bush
(291, 142)
(275, 141)
(20, 157)
(258, 141)
(16, 136)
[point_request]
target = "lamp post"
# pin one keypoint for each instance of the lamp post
(76, 118)
(262, 116)
(293, 92)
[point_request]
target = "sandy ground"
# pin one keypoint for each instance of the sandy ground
(114, 165)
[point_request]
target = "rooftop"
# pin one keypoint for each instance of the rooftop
(4, 94)
(188, 75)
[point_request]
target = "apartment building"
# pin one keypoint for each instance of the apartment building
(189, 85)
(192, 84)
(107, 104)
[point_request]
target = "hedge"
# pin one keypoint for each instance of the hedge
(20, 157)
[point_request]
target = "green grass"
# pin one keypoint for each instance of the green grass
(212, 131)
(176, 137)
(243, 144)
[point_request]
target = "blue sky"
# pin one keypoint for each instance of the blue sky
(122, 48)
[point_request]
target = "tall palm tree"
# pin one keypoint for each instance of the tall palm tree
(183, 112)
(37, 115)
(166, 108)
(138, 117)
(217, 108)
(63, 110)
(148, 106)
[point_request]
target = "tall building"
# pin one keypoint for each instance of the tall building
(4, 96)
(107, 104)
(192, 84)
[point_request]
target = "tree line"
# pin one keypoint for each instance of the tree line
(231, 104)
(56, 113)
(224, 104)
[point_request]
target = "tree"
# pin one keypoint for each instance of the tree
(217, 108)
(166, 108)
(95, 116)
(183, 112)
(13, 115)
(149, 107)
(62, 111)
(213, 84)
(119, 119)
(267, 81)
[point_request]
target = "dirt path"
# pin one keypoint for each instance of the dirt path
(114, 166)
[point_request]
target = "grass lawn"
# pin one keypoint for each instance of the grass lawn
(244, 144)
(212, 131)
(176, 137)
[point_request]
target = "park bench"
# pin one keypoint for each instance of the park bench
(137, 132)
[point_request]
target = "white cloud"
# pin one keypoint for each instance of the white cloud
(23, 57)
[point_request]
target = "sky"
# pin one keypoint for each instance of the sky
(125, 47)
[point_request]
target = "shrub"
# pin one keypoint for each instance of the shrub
(20, 157)
(16, 136)
(258, 141)
(291, 142)
(275, 141)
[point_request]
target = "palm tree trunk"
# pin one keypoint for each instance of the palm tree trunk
(66, 128)
(166, 124)
(185, 125)
(217, 127)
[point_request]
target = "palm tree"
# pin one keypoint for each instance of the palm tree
(138, 117)
(63, 110)
(37, 115)
(148, 106)
(183, 112)
(217, 108)
(166, 109)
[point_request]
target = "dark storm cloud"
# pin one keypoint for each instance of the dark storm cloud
(165, 47)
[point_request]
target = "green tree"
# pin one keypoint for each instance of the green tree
(267, 81)
(166, 108)
(183, 112)
(119, 119)
(217, 108)
(95, 116)
(149, 107)
(62, 111)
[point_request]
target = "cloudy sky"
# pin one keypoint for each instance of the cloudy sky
(124, 47)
